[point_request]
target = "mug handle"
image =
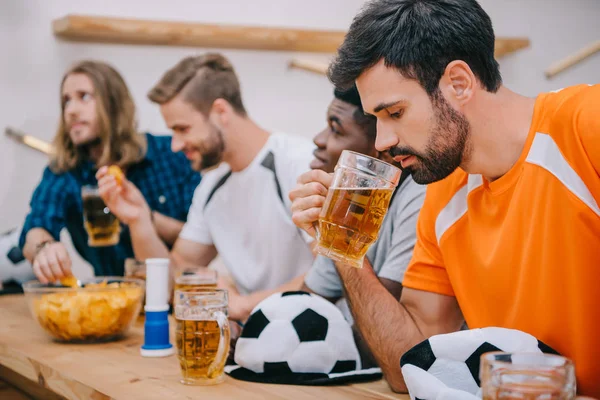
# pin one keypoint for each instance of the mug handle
(223, 349)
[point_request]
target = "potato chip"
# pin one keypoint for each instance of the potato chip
(89, 313)
(117, 173)
(69, 281)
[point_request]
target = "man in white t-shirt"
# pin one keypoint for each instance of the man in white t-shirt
(246, 215)
(241, 209)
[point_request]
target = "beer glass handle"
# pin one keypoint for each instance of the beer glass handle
(223, 350)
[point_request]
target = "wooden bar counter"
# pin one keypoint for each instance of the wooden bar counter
(45, 369)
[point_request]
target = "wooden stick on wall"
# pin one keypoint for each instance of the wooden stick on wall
(309, 65)
(506, 46)
(28, 140)
(573, 59)
(137, 31)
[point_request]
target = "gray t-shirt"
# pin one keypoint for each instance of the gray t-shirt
(392, 251)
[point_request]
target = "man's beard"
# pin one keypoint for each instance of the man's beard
(211, 151)
(448, 147)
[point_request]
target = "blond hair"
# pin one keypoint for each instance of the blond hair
(117, 127)
(201, 80)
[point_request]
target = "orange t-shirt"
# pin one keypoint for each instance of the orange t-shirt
(523, 251)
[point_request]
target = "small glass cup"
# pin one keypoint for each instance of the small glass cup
(136, 269)
(357, 201)
(526, 376)
(102, 227)
(202, 335)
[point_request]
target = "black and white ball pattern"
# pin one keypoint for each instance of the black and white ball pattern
(297, 332)
(451, 361)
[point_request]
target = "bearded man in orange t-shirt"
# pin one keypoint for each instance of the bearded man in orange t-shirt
(509, 234)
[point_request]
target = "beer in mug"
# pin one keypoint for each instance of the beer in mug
(356, 204)
(351, 221)
(102, 227)
(201, 335)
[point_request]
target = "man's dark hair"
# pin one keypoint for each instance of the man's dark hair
(351, 96)
(419, 38)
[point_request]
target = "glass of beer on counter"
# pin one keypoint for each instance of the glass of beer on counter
(202, 335)
(196, 278)
(356, 204)
(102, 227)
(526, 376)
(136, 269)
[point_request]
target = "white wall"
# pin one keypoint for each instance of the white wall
(33, 62)
(556, 28)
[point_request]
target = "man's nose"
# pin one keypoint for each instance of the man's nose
(176, 143)
(321, 139)
(386, 137)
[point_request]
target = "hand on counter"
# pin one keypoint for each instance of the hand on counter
(239, 306)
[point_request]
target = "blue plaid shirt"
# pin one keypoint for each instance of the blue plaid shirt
(164, 178)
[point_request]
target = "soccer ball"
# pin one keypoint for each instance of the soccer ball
(297, 332)
(451, 361)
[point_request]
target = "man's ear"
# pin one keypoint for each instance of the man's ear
(220, 113)
(458, 83)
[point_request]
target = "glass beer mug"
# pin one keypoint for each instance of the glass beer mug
(202, 335)
(102, 227)
(526, 376)
(356, 204)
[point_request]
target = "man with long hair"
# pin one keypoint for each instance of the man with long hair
(98, 128)
(240, 209)
(509, 233)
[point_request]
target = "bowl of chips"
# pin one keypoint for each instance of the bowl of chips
(102, 309)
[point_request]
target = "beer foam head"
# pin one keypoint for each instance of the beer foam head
(298, 338)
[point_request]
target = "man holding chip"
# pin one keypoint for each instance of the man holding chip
(98, 128)
(240, 210)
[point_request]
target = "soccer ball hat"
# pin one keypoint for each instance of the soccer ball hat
(298, 338)
(447, 366)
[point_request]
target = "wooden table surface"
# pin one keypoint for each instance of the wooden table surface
(117, 371)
